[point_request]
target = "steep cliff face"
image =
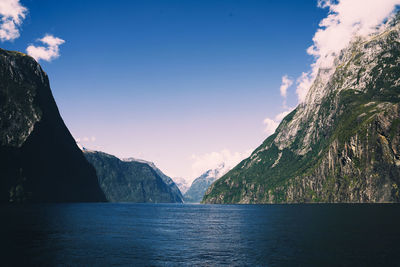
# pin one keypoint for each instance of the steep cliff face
(40, 161)
(130, 181)
(341, 145)
(167, 180)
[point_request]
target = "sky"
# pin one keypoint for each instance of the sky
(185, 84)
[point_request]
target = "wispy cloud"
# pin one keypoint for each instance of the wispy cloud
(86, 142)
(48, 53)
(346, 19)
(12, 13)
(85, 139)
(272, 124)
(212, 160)
(286, 83)
(304, 83)
(283, 114)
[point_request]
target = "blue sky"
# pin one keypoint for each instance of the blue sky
(171, 81)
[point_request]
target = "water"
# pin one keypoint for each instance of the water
(207, 235)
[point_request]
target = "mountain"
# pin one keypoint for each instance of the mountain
(199, 186)
(40, 161)
(182, 184)
(342, 144)
(165, 178)
(130, 181)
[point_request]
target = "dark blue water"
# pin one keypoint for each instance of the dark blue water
(207, 235)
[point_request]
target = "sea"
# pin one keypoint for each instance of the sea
(127, 234)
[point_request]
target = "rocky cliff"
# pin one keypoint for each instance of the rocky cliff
(130, 181)
(39, 159)
(342, 144)
(167, 180)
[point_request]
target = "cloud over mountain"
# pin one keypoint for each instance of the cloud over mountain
(346, 19)
(213, 160)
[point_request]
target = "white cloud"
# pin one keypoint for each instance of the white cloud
(85, 139)
(272, 124)
(212, 160)
(46, 53)
(283, 114)
(304, 83)
(12, 14)
(346, 19)
(286, 83)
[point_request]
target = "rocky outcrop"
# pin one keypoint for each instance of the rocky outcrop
(340, 145)
(130, 181)
(40, 161)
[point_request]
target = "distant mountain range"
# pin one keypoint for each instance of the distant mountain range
(40, 161)
(132, 180)
(200, 185)
(168, 180)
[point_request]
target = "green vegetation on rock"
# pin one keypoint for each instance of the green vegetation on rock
(341, 145)
(130, 181)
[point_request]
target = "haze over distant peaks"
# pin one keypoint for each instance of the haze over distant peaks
(200, 185)
(182, 184)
